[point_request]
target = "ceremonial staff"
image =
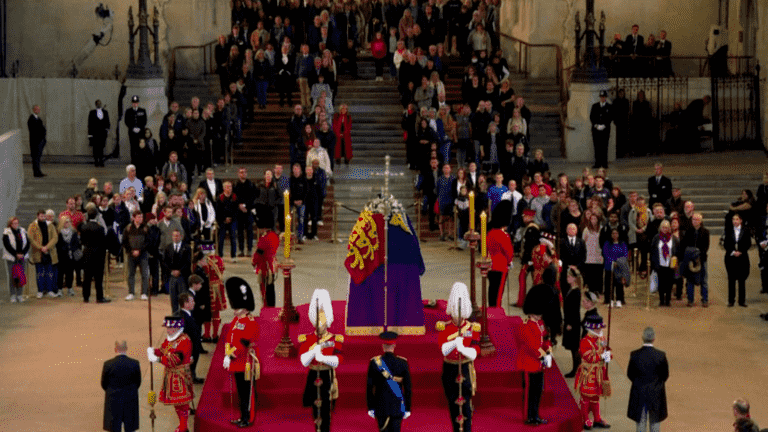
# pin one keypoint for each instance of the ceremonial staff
(460, 378)
(151, 396)
(610, 308)
(318, 380)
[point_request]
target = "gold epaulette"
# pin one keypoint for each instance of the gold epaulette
(340, 338)
(476, 327)
(402, 358)
(302, 338)
(376, 358)
(440, 326)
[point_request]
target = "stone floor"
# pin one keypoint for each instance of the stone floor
(54, 348)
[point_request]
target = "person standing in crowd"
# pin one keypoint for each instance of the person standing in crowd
(37, 139)
(572, 317)
(15, 254)
(648, 370)
(615, 254)
(593, 263)
(659, 186)
(178, 261)
(187, 303)
(93, 238)
(695, 247)
(70, 253)
(98, 130)
(665, 251)
(245, 191)
(298, 194)
(601, 116)
(742, 419)
(226, 209)
(135, 238)
(121, 379)
(135, 121)
(388, 389)
(737, 243)
(43, 238)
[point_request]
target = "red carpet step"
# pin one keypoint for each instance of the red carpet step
(498, 403)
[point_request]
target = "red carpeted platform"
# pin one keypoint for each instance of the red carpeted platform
(498, 403)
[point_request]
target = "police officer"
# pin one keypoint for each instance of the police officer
(601, 116)
(389, 386)
(135, 121)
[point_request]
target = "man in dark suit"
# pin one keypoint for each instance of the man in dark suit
(601, 116)
(178, 260)
(192, 329)
(135, 121)
(428, 181)
(663, 51)
(98, 129)
(121, 379)
(389, 386)
(36, 139)
(633, 46)
(697, 237)
(573, 252)
(737, 243)
(94, 242)
(212, 186)
(659, 186)
(648, 370)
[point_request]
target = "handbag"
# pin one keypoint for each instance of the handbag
(18, 275)
(654, 282)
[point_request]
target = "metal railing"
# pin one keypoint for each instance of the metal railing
(207, 61)
(647, 66)
(523, 52)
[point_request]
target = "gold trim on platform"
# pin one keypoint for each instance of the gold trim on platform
(363, 331)
(408, 330)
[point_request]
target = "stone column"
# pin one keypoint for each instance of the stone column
(578, 142)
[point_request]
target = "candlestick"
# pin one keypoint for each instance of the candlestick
(483, 245)
(287, 202)
(472, 210)
(287, 236)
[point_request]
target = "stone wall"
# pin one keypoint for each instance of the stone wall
(44, 36)
(11, 180)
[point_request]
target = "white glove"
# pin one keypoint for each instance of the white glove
(407, 414)
(227, 362)
(370, 414)
(548, 361)
(467, 352)
(559, 263)
(606, 356)
(136, 130)
(151, 355)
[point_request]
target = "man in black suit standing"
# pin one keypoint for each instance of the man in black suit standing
(601, 116)
(36, 139)
(98, 129)
(663, 51)
(94, 241)
(573, 252)
(135, 121)
(192, 329)
(212, 186)
(389, 386)
(633, 46)
(737, 243)
(648, 370)
(659, 186)
(178, 260)
(121, 379)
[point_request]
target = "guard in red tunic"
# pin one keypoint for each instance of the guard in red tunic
(264, 262)
(530, 239)
(500, 250)
(535, 353)
(544, 256)
(459, 341)
(592, 375)
(241, 355)
(176, 355)
(213, 266)
(321, 353)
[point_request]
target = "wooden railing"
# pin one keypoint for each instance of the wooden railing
(208, 61)
(523, 66)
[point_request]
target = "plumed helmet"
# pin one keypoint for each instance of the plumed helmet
(321, 301)
(240, 294)
(459, 293)
(502, 214)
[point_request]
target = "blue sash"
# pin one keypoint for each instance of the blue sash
(393, 385)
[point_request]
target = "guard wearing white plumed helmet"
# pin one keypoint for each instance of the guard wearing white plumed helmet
(320, 352)
(459, 341)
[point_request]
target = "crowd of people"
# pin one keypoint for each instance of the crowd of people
(638, 57)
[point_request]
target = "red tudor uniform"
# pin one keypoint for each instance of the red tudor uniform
(176, 355)
(213, 266)
(592, 375)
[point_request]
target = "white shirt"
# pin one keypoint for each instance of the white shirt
(100, 114)
(211, 186)
(176, 247)
(736, 233)
(572, 241)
